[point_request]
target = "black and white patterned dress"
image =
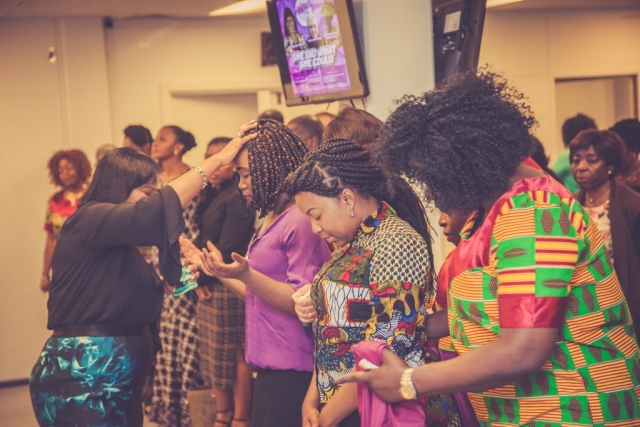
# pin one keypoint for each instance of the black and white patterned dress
(177, 368)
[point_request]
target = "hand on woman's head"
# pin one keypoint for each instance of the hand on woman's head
(231, 150)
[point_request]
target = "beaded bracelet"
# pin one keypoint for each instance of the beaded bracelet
(203, 175)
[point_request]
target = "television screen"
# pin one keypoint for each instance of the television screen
(318, 50)
(457, 33)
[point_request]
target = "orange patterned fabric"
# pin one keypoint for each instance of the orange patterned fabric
(538, 261)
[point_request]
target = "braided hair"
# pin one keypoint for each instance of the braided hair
(273, 154)
(340, 163)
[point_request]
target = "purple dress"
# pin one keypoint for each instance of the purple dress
(288, 252)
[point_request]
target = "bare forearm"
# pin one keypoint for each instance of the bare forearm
(436, 325)
(235, 286)
(341, 405)
(493, 365)
(278, 294)
(48, 254)
(312, 397)
(188, 185)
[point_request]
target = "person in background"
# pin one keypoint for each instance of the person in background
(102, 150)
(535, 310)
(614, 208)
(562, 166)
(138, 137)
(71, 170)
(309, 129)
(177, 364)
(375, 286)
(629, 132)
(284, 255)
(272, 115)
(294, 40)
(331, 33)
(105, 298)
(315, 39)
(538, 155)
(354, 124)
(225, 222)
(325, 117)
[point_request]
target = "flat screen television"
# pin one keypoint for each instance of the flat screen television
(457, 33)
(318, 50)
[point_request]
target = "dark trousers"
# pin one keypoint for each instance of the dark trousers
(278, 397)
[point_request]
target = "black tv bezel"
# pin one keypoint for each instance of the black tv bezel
(362, 86)
(465, 43)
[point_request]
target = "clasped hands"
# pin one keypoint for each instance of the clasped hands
(210, 261)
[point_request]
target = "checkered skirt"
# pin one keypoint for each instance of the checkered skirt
(221, 332)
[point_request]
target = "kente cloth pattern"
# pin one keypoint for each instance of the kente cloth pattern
(84, 381)
(538, 261)
(374, 289)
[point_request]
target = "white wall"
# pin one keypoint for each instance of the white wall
(45, 107)
(153, 62)
(533, 49)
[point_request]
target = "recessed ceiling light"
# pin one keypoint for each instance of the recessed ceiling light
(496, 3)
(241, 8)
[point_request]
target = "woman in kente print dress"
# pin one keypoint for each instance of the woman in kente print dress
(374, 287)
(535, 309)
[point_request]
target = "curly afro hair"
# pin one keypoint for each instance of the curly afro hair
(463, 140)
(76, 157)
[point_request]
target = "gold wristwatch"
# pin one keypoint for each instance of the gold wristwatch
(407, 389)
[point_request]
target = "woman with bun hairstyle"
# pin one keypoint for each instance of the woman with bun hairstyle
(177, 366)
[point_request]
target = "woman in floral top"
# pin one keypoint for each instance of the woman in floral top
(71, 170)
(375, 285)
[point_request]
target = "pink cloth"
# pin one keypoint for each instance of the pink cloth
(467, 414)
(374, 412)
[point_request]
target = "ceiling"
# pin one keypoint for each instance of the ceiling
(116, 9)
(119, 9)
(572, 4)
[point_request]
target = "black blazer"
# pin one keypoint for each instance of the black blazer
(227, 223)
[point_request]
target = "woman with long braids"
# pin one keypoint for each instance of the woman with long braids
(283, 256)
(376, 283)
(535, 309)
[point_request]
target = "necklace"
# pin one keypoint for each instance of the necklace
(598, 198)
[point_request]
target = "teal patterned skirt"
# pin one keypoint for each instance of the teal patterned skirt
(90, 381)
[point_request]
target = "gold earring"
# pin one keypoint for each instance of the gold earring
(351, 213)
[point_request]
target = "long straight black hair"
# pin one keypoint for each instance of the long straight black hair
(118, 173)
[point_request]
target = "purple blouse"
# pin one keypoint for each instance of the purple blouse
(287, 252)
